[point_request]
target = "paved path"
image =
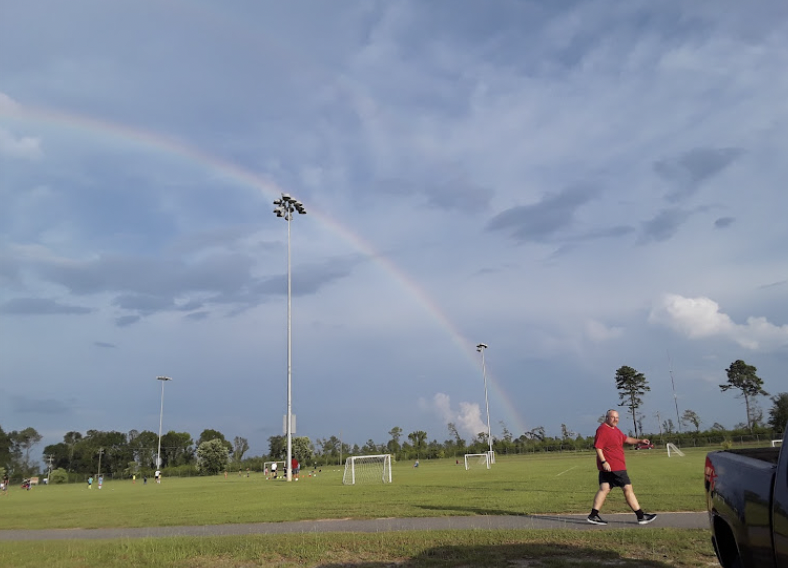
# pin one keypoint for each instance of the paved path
(578, 522)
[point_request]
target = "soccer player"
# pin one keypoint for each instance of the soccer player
(611, 463)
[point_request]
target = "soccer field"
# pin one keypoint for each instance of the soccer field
(515, 485)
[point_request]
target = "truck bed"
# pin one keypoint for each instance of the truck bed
(770, 455)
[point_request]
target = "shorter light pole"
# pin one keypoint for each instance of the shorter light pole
(161, 419)
(100, 453)
(480, 348)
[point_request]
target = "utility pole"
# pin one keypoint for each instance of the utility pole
(100, 453)
(675, 399)
(49, 473)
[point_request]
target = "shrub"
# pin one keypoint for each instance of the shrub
(58, 476)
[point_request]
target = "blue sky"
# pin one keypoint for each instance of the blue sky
(579, 185)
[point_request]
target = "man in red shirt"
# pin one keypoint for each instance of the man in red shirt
(609, 445)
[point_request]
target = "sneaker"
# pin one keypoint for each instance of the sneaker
(647, 518)
(596, 520)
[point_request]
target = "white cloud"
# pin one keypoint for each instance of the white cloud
(25, 147)
(701, 317)
(8, 106)
(11, 145)
(598, 332)
(468, 419)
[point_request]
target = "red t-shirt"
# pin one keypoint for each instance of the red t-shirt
(611, 440)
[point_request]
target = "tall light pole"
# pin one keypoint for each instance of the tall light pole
(161, 419)
(480, 348)
(675, 399)
(286, 207)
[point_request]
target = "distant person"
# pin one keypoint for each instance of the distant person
(611, 463)
(416, 464)
(134, 479)
(273, 469)
(101, 481)
(4, 489)
(90, 482)
(296, 467)
(157, 476)
(145, 479)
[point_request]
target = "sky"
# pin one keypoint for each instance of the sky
(578, 185)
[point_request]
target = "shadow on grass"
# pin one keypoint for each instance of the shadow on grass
(516, 555)
(471, 510)
(482, 512)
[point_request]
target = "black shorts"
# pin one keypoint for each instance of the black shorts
(614, 478)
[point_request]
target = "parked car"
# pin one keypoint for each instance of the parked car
(642, 446)
(747, 500)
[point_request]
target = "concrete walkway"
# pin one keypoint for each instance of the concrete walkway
(577, 522)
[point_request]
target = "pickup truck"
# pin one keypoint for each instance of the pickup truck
(747, 500)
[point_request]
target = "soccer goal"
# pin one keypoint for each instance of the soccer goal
(672, 449)
(475, 461)
(280, 467)
(776, 443)
(367, 469)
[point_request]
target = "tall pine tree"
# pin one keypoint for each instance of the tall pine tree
(631, 387)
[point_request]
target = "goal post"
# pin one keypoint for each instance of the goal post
(672, 449)
(280, 466)
(475, 461)
(367, 469)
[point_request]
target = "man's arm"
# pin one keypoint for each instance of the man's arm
(601, 455)
(631, 440)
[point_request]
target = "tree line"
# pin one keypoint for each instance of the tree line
(632, 386)
(118, 454)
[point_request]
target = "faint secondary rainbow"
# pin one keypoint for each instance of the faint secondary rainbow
(244, 176)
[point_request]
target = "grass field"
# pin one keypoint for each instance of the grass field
(515, 485)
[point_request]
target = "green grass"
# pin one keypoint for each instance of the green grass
(630, 548)
(532, 484)
(563, 483)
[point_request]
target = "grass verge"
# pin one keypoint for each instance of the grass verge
(628, 548)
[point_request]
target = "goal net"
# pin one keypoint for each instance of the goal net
(674, 450)
(776, 443)
(280, 467)
(367, 469)
(475, 461)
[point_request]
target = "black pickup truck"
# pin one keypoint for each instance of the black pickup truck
(747, 499)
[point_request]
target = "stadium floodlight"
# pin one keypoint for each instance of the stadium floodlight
(286, 207)
(480, 348)
(161, 419)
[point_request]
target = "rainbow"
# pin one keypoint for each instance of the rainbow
(176, 147)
